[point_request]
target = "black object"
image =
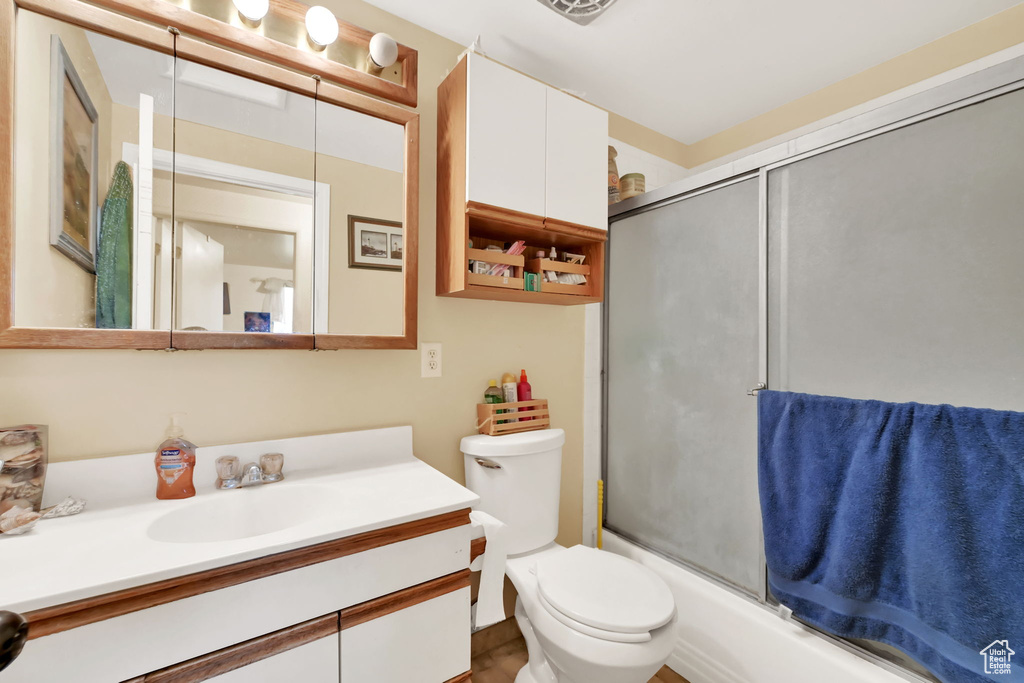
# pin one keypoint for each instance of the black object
(13, 634)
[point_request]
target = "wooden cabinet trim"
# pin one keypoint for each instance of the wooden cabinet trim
(124, 23)
(185, 340)
(379, 607)
(255, 45)
(69, 338)
(251, 651)
(50, 620)
(576, 230)
(452, 225)
(102, 21)
(477, 547)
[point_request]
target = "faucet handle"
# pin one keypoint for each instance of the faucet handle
(272, 464)
(229, 472)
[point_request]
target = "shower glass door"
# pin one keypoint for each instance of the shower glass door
(896, 263)
(682, 351)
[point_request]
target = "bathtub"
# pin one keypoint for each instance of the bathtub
(725, 638)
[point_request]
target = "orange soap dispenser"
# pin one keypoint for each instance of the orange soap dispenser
(175, 460)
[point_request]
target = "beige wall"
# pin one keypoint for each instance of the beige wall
(986, 37)
(362, 301)
(50, 289)
(108, 402)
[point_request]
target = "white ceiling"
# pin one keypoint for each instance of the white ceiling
(691, 68)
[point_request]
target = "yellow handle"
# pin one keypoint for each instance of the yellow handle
(600, 510)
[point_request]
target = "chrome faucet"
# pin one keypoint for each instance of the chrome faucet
(252, 475)
(231, 476)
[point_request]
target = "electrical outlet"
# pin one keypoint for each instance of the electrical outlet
(430, 357)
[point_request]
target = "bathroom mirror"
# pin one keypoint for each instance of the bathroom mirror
(88, 112)
(360, 168)
(171, 194)
(242, 207)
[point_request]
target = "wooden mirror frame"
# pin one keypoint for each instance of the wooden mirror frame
(175, 42)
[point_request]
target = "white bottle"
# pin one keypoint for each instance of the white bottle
(508, 392)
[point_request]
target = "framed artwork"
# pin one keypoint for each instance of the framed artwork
(74, 162)
(375, 244)
(257, 321)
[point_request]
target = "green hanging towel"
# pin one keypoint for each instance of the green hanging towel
(114, 254)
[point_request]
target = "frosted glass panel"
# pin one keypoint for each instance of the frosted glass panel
(682, 352)
(896, 264)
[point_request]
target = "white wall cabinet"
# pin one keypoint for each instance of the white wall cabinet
(534, 149)
(505, 113)
(576, 175)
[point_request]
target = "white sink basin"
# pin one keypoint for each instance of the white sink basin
(242, 513)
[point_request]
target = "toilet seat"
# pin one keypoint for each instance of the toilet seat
(603, 595)
(590, 630)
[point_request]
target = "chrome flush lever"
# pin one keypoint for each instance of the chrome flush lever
(489, 464)
(759, 387)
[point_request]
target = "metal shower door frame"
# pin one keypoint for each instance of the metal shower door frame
(985, 84)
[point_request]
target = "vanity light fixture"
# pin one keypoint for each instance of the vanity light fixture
(252, 11)
(321, 26)
(383, 53)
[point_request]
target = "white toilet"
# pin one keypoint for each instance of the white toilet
(588, 616)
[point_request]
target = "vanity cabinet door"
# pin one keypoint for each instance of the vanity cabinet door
(577, 156)
(505, 137)
(424, 643)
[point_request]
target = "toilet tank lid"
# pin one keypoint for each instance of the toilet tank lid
(523, 443)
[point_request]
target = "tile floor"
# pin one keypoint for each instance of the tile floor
(502, 663)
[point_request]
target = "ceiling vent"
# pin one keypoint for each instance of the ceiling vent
(581, 11)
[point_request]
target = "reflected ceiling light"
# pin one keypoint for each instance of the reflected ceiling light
(383, 50)
(322, 26)
(252, 11)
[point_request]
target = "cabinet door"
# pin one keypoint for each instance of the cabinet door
(425, 643)
(315, 662)
(505, 137)
(577, 161)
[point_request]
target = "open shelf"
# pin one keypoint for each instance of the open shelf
(485, 225)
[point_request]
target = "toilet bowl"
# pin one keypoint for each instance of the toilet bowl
(587, 616)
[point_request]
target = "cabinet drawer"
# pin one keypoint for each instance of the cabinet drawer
(424, 643)
(130, 645)
(307, 652)
(315, 662)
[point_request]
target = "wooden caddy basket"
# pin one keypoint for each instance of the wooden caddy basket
(539, 265)
(490, 415)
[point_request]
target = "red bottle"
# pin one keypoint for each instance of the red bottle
(524, 392)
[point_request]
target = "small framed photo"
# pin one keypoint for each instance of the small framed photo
(375, 243)
(257, 321)
(74, 163)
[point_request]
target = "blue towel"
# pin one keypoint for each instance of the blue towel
(898, 522)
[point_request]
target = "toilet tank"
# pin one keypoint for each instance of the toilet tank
(517, 477)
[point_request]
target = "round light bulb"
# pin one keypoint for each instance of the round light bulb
(321, 25)
(253, 10)
(383, 50)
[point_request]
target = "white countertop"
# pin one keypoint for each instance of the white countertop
(368, 480)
